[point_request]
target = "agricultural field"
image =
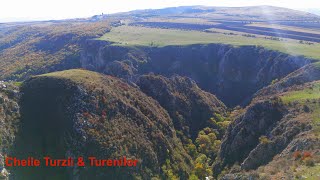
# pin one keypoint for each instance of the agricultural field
(183, 20)
(244, 27)
(284, 27)
(143, 36)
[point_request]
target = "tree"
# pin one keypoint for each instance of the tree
(200, 171)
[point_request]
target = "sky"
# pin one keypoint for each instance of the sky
(17, 10)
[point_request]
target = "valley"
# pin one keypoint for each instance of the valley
(189, 92)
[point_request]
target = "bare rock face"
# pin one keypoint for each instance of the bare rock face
(122, 69)
(9, 122)
(278, 139)
(9, 116)
(303, 75)
(303, 142)
(267, 132)
(188, 105)
(244, 133)
(232, 74)
(81, 113)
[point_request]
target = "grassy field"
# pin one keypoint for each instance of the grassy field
(303, 95)
(131, 35)
(308, 173)
(183, 20)
(309, 96)
(78, 76)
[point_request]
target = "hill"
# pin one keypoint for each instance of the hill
(39, 47)
(97, 115)
(255, 13)
(188, 92)
(33, 48)
(277, 135)
(313, 11)
(190, 107)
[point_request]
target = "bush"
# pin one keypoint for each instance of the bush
(309, 161)
(306, 108)
(207, 144)
(193, 177)
(297, 155)
(200, 171)
(264, 140)
(306, 154)
(274, 81)
(192, 150)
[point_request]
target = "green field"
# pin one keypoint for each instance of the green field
(130, 36)
(309, 93)
(78, 76)
(308, 173)
(304, 97)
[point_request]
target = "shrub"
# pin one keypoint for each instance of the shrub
(306, 108)
(309, 161)
(264, 140)
(103, 100)
(192, 150)
(297, 155)
(104, 113)
(306, 154)
(193, 177)
(274, 81)
(218, 117)
(207, 144)
(200, 171)
(167, 169)
(86, 114)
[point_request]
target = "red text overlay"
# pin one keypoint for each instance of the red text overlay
(70, 162)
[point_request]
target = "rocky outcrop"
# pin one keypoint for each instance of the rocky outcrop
(303, 142)
(244, 133)
(267, 132)
(9, 116)
(81, 113)
(291, 144)
(9, 122)
(301, 76)
(277, 140)
(232, 74)
(188, 105)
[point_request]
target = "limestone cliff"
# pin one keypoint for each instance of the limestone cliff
(233, 74)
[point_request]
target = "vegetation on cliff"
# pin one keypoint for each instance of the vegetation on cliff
(84, 113)
(186, 93)
(288, 147)
(37, 48)
(9, 116)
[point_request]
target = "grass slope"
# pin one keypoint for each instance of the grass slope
(308, 97)
(77, 76)
(130, 36)
(310, 93)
